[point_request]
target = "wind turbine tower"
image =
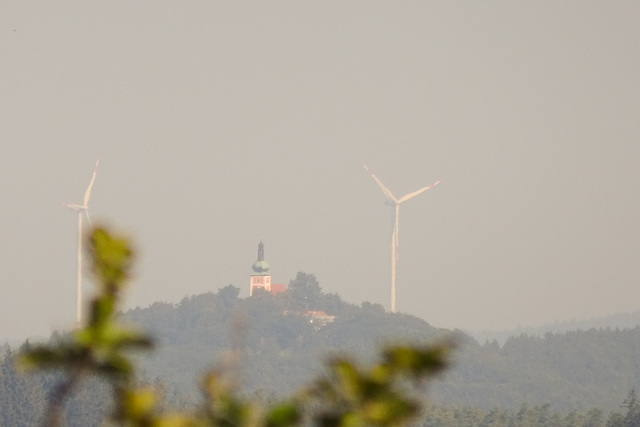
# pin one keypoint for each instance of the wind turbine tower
(394, 235)
(82, 209)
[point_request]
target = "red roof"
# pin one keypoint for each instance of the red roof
(275, 289)
(316, 313)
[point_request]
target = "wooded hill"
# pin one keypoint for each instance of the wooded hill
(281, 346)
(281, 349)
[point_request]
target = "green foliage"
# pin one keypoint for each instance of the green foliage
(347, 395)
(350, 396)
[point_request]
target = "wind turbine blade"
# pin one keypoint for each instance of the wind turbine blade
(384, 189)
(87, 194)
(415, 193)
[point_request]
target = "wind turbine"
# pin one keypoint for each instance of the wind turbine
(83, 208)
(394, 236)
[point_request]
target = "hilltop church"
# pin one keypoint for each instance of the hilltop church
(261, 279)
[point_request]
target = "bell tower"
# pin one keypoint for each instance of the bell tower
(260, 277)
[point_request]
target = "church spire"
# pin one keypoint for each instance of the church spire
(260, 251)
(260, 266)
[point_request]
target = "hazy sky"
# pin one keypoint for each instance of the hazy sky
(220, 123)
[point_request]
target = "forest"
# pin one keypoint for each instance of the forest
(579, 378)
(575, 370)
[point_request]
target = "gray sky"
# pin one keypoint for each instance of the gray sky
(220, 123)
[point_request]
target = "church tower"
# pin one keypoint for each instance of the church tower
(260, 278)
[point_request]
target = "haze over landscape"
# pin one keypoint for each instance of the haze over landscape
(220, 124)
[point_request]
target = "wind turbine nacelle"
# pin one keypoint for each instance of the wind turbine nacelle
(77, 208)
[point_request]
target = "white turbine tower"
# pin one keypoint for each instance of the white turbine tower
(394, 236)
(83, 208)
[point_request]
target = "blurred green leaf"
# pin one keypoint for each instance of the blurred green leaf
(112, 259)
(417, 362)
(40, 357)
(138, 404)
(116, 366)
(284, 415)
